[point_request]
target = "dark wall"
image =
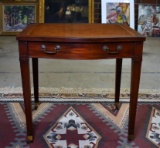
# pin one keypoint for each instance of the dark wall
(97, 8)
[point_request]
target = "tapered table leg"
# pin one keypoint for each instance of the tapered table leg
(35, 81)
(118, 81)
(135, 79)
(25, 74)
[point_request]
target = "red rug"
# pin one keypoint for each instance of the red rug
(77, 125)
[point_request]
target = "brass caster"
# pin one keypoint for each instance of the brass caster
(116, 105)
(29, 139)
(130, 137)
(36, 105)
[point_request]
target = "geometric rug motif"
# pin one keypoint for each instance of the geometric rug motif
(153, 132)
(109, 127)
(16, 118)
(118, 117)
(71, 130)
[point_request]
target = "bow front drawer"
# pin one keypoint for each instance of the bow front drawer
(80, 51)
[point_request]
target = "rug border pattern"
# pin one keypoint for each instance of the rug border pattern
(78, 95)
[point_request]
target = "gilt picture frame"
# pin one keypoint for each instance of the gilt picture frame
(118, 11)
(14, 17)
(62, 11)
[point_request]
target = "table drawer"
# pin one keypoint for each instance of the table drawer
(80, 51)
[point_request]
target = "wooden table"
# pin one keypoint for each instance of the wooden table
(80, 42)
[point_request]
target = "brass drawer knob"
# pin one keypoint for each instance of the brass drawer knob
(119, 47)
(105, 48)
(58, 47)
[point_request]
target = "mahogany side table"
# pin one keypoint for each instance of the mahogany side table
(80, 42)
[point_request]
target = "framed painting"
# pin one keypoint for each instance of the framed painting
(66, 11)
(149, 20)
(118, 11)
(16, 16)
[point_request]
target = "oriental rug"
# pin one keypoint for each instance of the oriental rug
(75, 122)
(80, 125)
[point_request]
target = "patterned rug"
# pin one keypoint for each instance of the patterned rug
(80, 125)
(88, 122)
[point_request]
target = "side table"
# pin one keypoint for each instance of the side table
(80, 42)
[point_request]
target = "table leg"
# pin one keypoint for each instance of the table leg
(135, 79)
(25, 74)
(118, 81)
(35, 81)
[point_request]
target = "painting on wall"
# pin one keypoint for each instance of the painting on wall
(15, 17)
(149, 20)
(62, 11)
(118, 11)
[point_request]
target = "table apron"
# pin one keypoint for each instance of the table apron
(80, 51)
